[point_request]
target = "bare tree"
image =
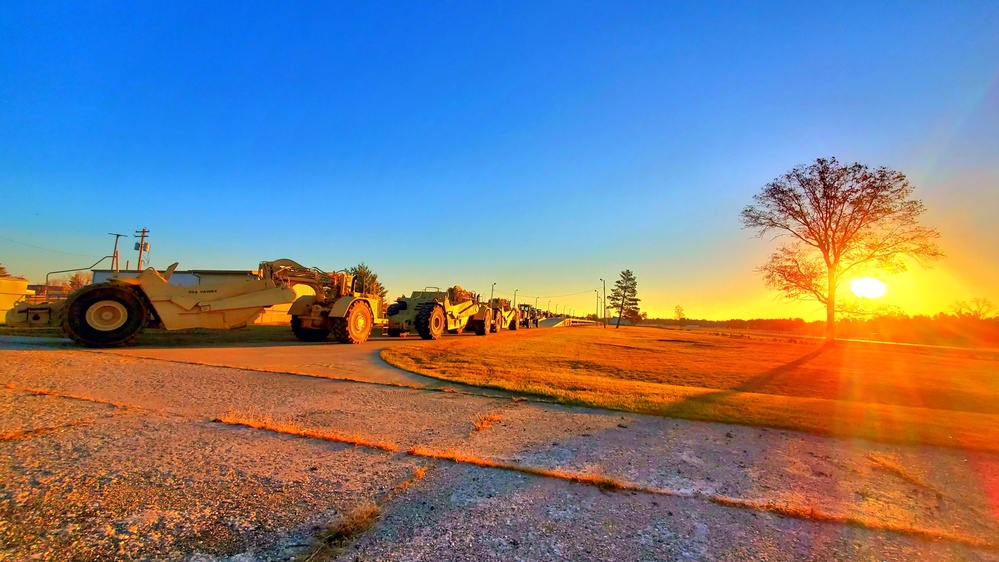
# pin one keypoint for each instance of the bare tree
(678, 312)
(841, 220)
(80, 279)
(979, 308)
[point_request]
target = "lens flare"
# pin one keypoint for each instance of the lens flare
(868, 287)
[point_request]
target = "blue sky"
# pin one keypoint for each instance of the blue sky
(540, 146)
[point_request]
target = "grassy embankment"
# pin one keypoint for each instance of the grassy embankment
(885, 393)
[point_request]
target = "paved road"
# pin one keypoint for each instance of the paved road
(114, 455)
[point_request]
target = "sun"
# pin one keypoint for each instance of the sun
(868, 287)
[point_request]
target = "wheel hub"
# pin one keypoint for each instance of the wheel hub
(107, 315)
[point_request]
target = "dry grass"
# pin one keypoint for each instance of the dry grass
(887, 393)
(20, 435)
(405, 484)
(289, 427)
(331, 541)
(335, 537)
(67, 396)
(891, 465)
(598, 480)
(813, 514)
(485, 421)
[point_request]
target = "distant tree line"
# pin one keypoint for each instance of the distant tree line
(941, 329)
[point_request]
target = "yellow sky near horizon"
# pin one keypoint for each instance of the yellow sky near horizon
(967, 271)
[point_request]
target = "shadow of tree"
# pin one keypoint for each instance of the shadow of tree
(685, 407)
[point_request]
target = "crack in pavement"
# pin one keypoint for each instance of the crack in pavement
(607, 483)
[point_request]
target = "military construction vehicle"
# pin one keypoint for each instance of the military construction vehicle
(528, 316)
(505, 316)
(431, 311)
(337, 307)
(31, 314)
(114, 313)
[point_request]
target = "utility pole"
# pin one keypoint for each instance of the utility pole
(604, 315)
(115, 266)
(141, 246)
(598, 301)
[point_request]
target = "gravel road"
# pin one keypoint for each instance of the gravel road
(113, 455)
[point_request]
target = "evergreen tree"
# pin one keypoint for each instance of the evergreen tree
(366, 281)
(624, 298)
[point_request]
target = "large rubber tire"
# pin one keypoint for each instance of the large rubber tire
(105, 315)
(496, 324)
(395, 308)
(356, 326)
(394, 332)
(307, 334)
(515, 323)
(482, 327)
(430, 322)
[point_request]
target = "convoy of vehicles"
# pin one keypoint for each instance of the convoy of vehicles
(113, 313)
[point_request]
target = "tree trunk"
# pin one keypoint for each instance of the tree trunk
(831, 309)
(620, 313)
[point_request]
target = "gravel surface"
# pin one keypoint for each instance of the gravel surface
(114, 456)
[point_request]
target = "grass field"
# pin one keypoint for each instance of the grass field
(899, 394)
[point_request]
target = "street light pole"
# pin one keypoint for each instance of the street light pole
(597, 315)
(604, 315)
(515, 297)
(491, 290)
(548, 308)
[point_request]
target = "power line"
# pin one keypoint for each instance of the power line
(545, 296)
(48, 249)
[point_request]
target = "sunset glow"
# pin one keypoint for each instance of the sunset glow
(377, 110)
(868, 288)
